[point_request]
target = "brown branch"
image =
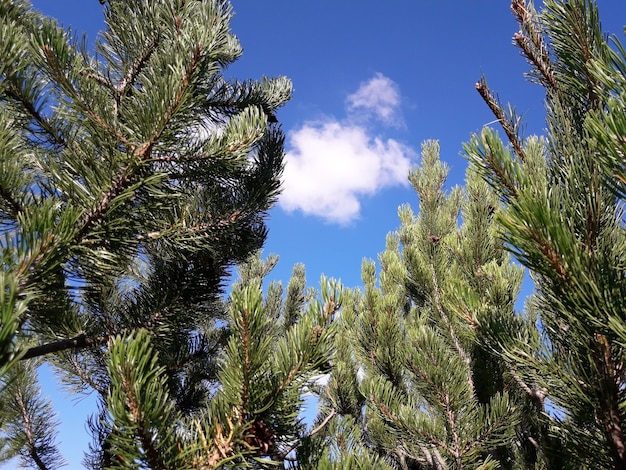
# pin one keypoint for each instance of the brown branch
(531, 43)
(536, 395)
(137, 66)
(539, 62)
(609, 392)
(284, 453)
(16, 207)
(99, 79)
(548, 250)
(189, 71)
(143, 431)
(30, 433)
(502, 178)
(77, 342)
(452, 426)
(505, 122)
(89, 219)
(520, 11)
(87, 378)
(221, 223)
(322, 424)
(82, 341)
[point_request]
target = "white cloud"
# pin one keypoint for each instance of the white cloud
(378, 97)
(332, 164)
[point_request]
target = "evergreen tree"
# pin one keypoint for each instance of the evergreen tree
(274, 349)
(132, 178)
(564, 221)
(414, 370)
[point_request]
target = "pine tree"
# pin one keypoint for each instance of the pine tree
(275, 347)
(132, 178)
(415, 381)
(564, 221)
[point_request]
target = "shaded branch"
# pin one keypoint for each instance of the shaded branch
(81, 341)
(14, 92)
(16, 207)
(77, 342)
(30, 432)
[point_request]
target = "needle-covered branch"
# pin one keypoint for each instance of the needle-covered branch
(563, 221)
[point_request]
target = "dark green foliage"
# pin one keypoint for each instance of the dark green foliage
(564, 222)
(132, 179)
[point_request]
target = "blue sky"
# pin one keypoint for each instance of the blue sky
(372, 81)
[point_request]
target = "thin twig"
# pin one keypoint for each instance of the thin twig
(505, 122)
(323, 423)
(314, 431)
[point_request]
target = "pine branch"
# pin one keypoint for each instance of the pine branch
(126, 175)
(121, 182)
(284, 453)
(532, 43)
(136, 68)
(247, 370)
(457, 344)
(222, 223)
(536, 395)
(524, 44)
(610, 388)
(189, 72)
(508, 126)
(77, 342)
(456, 450)
(487, 433)
(84, 377)
(16, 206)
(141, 410)
(143, 431)
(14, 92)
(423, 434)
(82, 341)
(29, 431)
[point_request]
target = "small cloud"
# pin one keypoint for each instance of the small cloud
(379, 98)
(331, 165)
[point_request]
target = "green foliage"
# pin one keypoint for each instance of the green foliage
(415, 381)
(142, 414)
(274, 352)
(247, 415)
(132, 178)
(141, 147)
(563, 221)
